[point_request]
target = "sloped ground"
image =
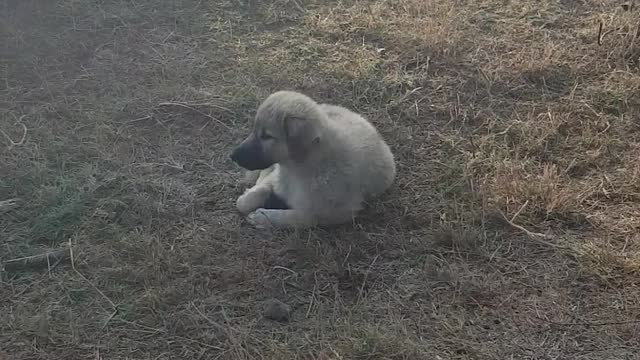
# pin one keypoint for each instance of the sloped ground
(127, 112)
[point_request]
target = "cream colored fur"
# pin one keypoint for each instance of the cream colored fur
(347, 163)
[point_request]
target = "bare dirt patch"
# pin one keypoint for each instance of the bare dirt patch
(117, 118)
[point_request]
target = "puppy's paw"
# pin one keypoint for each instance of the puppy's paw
(260, 219)
(246, 204)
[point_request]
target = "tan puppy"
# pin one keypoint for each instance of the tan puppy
(313, 164)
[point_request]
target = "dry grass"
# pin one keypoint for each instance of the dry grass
(116, 119)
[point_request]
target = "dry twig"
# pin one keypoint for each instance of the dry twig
(12, 143)
(541, 238)
(196, 110)
(7, 205)
(73, 266)
(601, 35)
(366, 277)
(591, 323)
(599, 39)
(50, 260)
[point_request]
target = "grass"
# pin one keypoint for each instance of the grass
(131, 109)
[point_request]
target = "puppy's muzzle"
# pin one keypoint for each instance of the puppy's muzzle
(249, 155)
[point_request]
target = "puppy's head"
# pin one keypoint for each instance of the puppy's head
(286, 128)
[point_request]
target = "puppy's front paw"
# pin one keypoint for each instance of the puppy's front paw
(245, 204)
(260, 219)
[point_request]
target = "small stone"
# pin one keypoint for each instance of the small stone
(277, 310)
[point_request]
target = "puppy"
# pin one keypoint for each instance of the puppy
(312, 164)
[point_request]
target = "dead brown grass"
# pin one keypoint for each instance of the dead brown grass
(116, 119)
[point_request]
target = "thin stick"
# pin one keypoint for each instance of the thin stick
(285, 268)
(600, 34)
(588, 323)
(7, 205)
(533, 235)
(163, 331)
(206, 104)
(73, 266)
(37, 261)
(211, 321)
(297, 4)
(12, 143)
(113, 314)
(196, 110)
(48, 267)
(366, 276)
(311, 301)
(513, 218)
(147, 117)
(55, 265)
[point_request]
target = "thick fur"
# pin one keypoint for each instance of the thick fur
(323, 161)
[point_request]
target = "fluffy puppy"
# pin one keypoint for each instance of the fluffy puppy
(313, 164)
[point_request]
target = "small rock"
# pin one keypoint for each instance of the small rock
(277, 310)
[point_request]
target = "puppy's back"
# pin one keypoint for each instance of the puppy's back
(364, 149)
(350, 123)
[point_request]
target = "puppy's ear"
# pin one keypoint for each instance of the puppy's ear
(301, 136)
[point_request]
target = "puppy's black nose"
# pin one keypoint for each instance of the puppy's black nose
(234, 155)
(249, 156)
